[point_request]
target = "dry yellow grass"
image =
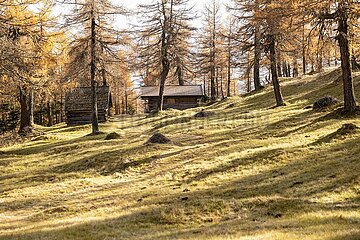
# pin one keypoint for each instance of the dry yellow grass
(247, 172)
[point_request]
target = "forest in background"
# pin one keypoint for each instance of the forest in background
(44, 55)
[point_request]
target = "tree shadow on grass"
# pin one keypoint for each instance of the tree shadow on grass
(268, 200)
(47, 146)
(109, 162)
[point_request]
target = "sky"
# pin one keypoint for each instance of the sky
(198, 9)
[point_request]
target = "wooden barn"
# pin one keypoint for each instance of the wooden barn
(78, 105)
(175, 96)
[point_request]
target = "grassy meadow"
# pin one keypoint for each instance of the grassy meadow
(248, 171)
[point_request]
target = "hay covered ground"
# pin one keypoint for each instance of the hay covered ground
(246, 171)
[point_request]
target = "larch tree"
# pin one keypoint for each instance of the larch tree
(249, 33)
(275, 14)
(97, 36)
(26, 54)
(341, 16)
(163, 40)
(208, 45)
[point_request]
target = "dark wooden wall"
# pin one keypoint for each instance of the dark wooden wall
(180, 103)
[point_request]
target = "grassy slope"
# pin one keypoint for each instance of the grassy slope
(247, 172)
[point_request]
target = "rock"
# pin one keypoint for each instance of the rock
(325, 102)
(158, 138)
(112, 136)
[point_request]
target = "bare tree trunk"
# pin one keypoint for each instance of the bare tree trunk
(274, 75)
(179, 72)
(103, 74)
(49, 114)
(213, 56)
(349, 95)
(94, 110)
(285, 69)
(303, 49)
(180, 76)
(296, 67)
(62, 119)
(26, 111)
(228, 93)
(165, 63)
(164, 73)
(204, 82)
(217, 82)
(212, 81)
(126, 99)
(248, 82)
(221, 84)
(319, 59)
(278, 64)
(257, 56)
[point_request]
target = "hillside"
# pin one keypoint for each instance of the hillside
(248, 171)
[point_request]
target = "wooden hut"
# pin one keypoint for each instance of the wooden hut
(175, 96)
(78, 105)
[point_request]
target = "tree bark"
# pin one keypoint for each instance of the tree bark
(278, 64)
(296, 67)
(212, 58)
(94, 110)
(180, 76)
(49, 114)
(343, 41)
(274, 74)
(228, 93)
(103, 74)
(164, 73)
(165, 62)
(257, 56)
(179, 72)
(62, 119)
(303, 49)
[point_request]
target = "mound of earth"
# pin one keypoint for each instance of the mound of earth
(348, 128)
(158, 138)
(112, 136)
(325, 102)
(203, 114)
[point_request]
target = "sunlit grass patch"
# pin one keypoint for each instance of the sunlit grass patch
(245, 171)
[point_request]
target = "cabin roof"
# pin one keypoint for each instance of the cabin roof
(173, 91)
(80, 99)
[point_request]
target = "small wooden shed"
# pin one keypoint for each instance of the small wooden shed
(175, 96)
(78, 105)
